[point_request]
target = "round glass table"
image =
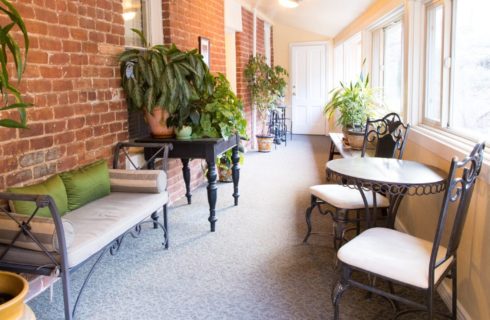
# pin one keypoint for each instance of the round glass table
(391, 177)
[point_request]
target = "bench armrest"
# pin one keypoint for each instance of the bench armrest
(161, 151)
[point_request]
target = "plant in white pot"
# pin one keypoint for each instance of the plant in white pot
(161, 81)
(354, 103)
(267, 86)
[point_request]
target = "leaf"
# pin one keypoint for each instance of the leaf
(141, 35)
(9, 123)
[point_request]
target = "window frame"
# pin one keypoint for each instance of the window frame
(153, 24)
(447, 78)
(377, 31)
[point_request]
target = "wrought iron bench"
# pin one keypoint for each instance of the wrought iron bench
(97, 229)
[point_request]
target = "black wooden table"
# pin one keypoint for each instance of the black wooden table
(208, 149)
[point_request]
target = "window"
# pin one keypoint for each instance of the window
(457, 67)
(470, 103)
(387, 63)
(433, 68)
(142, 15)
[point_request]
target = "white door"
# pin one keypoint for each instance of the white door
(309, 88)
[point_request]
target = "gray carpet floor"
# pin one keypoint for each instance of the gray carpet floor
(254, 266)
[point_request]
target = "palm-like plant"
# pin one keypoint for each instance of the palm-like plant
(10, 46)
(355, 102)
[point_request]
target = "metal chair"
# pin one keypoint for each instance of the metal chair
(410, 261)
(389, 135)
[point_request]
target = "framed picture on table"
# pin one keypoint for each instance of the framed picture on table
(205, 50)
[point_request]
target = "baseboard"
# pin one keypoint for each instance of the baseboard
(444, 290)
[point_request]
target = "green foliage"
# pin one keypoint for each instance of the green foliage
(223, 161)
(355, 102)
(221, 113)
(10, 46)
(266, 84)
(163, 76)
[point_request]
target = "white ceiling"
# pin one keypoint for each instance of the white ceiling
(326, 17)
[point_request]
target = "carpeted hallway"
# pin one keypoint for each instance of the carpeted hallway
(253, 267)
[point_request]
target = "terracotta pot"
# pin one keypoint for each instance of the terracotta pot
(355, 138)
(157, 120)
(17, 287)
(265, 143)
(225, 174)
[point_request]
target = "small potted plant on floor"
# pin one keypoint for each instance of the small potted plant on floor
(267, 85)
(354, 103)
(161, 81)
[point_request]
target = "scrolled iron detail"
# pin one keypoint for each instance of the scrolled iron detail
(392, 189)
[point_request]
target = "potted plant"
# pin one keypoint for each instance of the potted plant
(267, 86)
(354, 103)
(220, 113)
(13, 290)
(225, 164)
(12, 49)
(161, 81)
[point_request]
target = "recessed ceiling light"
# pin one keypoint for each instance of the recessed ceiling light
(289, 3)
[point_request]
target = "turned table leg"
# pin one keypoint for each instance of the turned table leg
(212, 192)
(235, 158)
(187, 179)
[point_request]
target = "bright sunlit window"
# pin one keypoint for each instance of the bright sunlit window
(135, 17)
(470, 107)
(433, 69)
(457, 67)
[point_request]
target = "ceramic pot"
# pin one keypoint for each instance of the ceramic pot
(157, 120)
(265, 143)
(183, 133)
(15, 287)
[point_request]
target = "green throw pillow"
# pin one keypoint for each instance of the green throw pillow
(86, 184)
(53, 187)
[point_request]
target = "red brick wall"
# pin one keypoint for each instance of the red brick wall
(244, 50)
(186, 20)
(183, 22)
(72, 80)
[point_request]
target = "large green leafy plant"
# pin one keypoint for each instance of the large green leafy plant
(221, 113)
(162, 76)
(266, 84)
(355, 102)
(10, 47)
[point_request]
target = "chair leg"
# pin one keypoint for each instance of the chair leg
(430, 302)
(339, 289)
(154, 217)
(165, 224)
(338, 228)
(65, 280)
(454, 270)
(312, 206)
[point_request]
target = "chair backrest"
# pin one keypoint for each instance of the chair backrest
(389, 134)
(459, 189)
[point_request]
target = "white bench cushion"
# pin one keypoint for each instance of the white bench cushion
(345, 197)
(99, 222)
(393, 254)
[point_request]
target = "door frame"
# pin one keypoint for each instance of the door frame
(328, 74)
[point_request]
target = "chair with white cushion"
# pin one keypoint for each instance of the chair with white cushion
(403, 259)
(388, 134)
